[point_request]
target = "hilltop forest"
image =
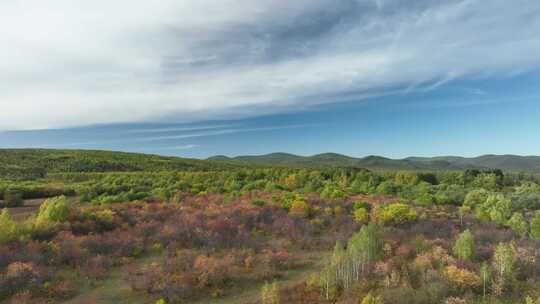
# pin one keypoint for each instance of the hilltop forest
(112, 227)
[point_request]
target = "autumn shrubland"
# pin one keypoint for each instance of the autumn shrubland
(254, 234)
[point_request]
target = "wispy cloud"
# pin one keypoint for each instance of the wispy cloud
(175, 137)
(75, 62)
(174, 129)
(173, 148)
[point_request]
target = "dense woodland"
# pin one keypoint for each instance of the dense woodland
(128, 228)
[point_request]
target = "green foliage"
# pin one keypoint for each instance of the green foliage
(299, 207)
(487, 181)
(371, 299)
(426, 199)
(476, 197)
(530, 300)
(8, 228)
(361, 205)
(350, 264)
(449, 194)
(500, 208)
(331, 192)
(497, 208)
(53, 211)
(526, 200)
(406, 178)
(362, 187)
(528, 187)
(37, 163)
(486, 277)
(161, 193)
(367, 244)
(518, 224)
(535, 227)
(361, 216)
(464, 247)
(387, 188)
(504, 265)
(452, 178)
(270, 293)
(104, 215)
(328, 282)
(396, 214)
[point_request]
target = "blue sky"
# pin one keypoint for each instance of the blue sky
(198, 78)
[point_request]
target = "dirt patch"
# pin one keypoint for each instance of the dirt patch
(29, 208)
(251, 293)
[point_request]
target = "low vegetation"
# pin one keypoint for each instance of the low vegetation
(212, 233)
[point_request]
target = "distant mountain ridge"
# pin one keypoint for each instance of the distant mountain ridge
(37, 163)
(513, 163)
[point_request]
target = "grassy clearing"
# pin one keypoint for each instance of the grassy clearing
(29, 208)
(250, 291)
(114, 289)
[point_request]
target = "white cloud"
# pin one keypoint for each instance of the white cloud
(74, 62)
(180, 147)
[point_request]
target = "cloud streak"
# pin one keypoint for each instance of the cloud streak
(72, 62)
(213, 131)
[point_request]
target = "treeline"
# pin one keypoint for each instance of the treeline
(28, 164)
(423, 188)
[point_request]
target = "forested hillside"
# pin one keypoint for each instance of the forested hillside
(36, 163)
(512, 163)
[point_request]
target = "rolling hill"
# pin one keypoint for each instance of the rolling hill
(513, 163)
(36, 163)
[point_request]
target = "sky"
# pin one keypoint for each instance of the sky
(197, 78)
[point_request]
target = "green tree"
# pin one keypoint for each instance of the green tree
(452, 178)
(52, 211)
(406, 178)
(535, 227)
(476, 197)
(496, 208)
(365, 247)
(488, 181)
(504, 261)
(361, 204)
(518, 224)
(386, 187)
(501, 208)
(360, 187)
(361, 216)
(328, 282)
(485, 275)
(270, 293)
(331, 192)
(8, 228)
(464, 247)
(371, 299)
(397, 213)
